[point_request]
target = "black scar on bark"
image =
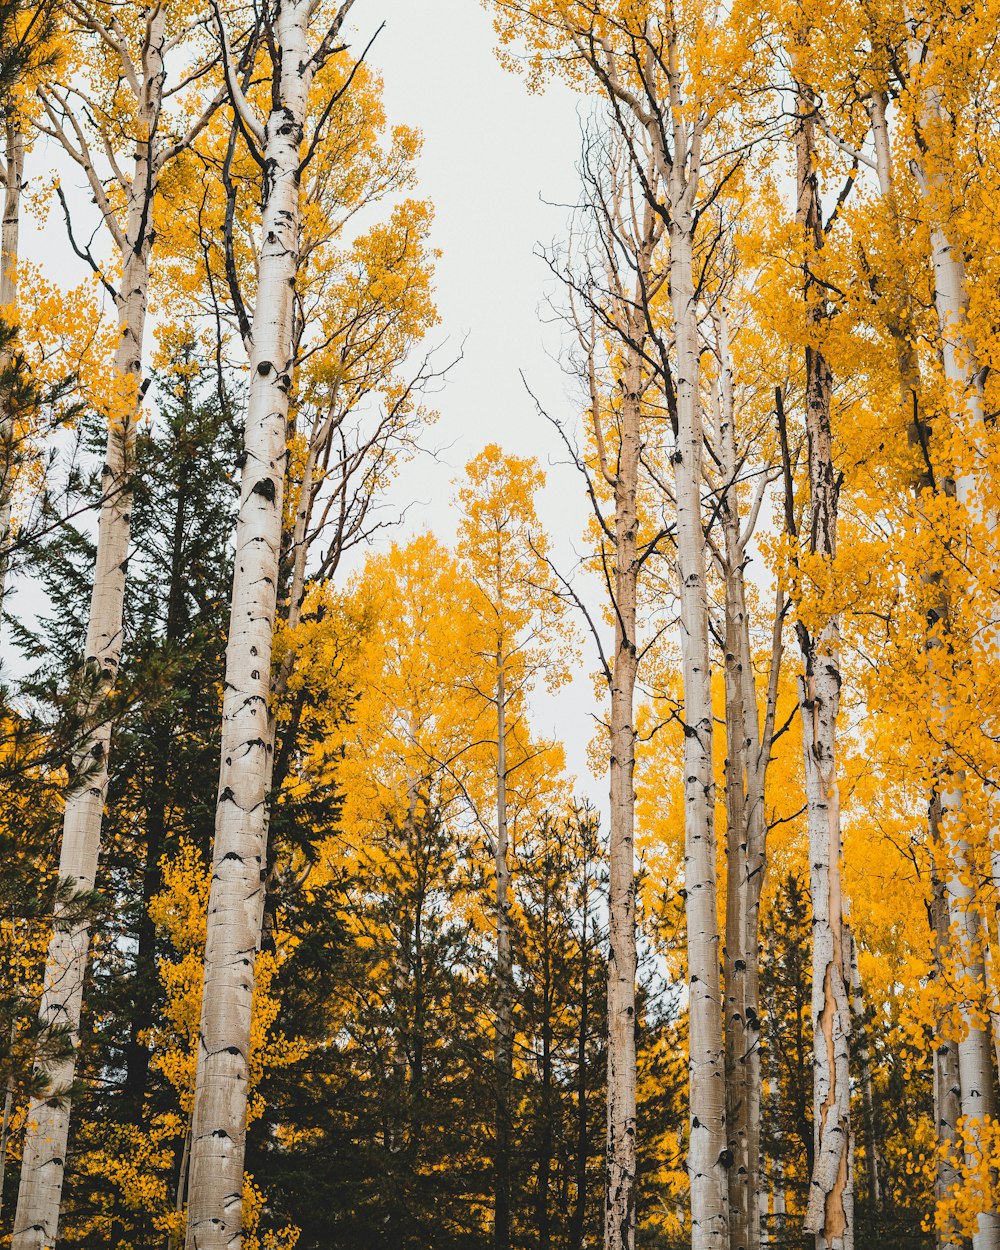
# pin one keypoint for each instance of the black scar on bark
(265, 488)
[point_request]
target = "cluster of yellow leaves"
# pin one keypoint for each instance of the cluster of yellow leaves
(974, 1158)
(140, 1162)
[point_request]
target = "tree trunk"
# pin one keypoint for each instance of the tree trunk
(708, 1156)
(47, 1131)
(546, 1134)
(745, 833)
(964, 400)
(619, 1215)
(947, 1081)
(579, 1215)
(873, 1169)
(236, 899)
(830, 1209)
(13, 182)
(503, 1052)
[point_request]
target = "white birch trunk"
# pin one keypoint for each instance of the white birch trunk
(745, 849)
(9, 231)
(47, 1129)
(235, 912)
(708, 1155)
(619, 1229)
(830, 1213)
(947, 1080)
(964, 399)
(830, 1207)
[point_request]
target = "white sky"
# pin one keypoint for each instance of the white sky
(499, 165)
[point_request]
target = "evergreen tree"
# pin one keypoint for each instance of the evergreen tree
(163, 777)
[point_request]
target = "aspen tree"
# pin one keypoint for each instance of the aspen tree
(830, 1211)
(964, 402)
(612, 332)
(67, 115)
(900, 322)
(519, 623)
(652, 69)
(236, 901)
(748, 751)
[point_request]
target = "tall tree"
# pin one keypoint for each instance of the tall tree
(830, 1211)
(240, 851)
(518, 622)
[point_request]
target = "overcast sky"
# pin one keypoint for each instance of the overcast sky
(499, 164)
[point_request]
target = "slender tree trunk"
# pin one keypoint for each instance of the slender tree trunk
(830, 1209)
(47, 1131)
(873, 1163)
(503, 1052)
(8, 1107)
(579, 1215)
(900, 323)
(745, 833)
(964, 399)
(619, 1215)
(708, 1155)
(947, 1080)
(545, 1137)
(13, 182)
(236, 901)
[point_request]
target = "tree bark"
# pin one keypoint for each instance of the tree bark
(708, 1157)
(873, 1162)
(47, 1131)
(579, 1215)
(745, 845)
(545, 1136)
(830, 1209)
(236, 900)
(619, 1216)
(947, 1080)
(964, 401)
